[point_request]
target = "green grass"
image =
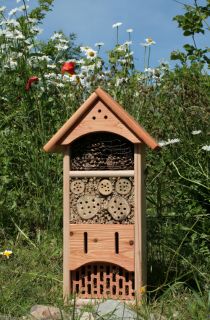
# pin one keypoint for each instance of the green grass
(33, 275)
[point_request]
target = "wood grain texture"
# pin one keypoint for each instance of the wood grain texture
(140, 220)
(128, 119)
(66, 210)
(53, 144)
(101, 245)
(95, 121)
(126, 123)
(102, 173)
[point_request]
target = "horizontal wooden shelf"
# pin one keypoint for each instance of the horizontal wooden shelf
(102, 173)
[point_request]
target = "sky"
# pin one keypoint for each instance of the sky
(92, 20)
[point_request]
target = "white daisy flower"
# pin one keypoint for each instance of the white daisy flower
(61, 47)
(2, 8)
(84, 49)
(206, 148)
(51, 66)
(32, 20)
(86, 69)
(50, 76)
(117, 25)
(119, 81)
(63, 41)
(129, 54)
(129, 30)
(123, 61)
(8, 34)
(99, 44)
(12, 22)
(18, 35)
(196, 132)
(13, 11)
(128, 43)
(56, 35)
(60, 85)
(169, 141)
(98, 64)
(148, 42)
(36, 30)
(91, 54)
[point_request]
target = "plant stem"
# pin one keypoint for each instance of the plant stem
(148, 57)
(145, 51)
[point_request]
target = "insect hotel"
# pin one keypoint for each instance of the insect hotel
(104, 230)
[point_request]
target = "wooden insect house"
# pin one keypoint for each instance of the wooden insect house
(103, 200)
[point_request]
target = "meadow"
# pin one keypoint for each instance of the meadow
(41, 86)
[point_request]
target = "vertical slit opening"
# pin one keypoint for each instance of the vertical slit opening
(85, 242)
(116, 242)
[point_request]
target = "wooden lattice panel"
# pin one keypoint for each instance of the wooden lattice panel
(102, 280)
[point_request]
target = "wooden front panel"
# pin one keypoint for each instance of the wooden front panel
(100, 118)
(111, 243)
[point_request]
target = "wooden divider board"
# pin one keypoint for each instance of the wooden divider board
(140, 220)
(101, 245)
(66, 210)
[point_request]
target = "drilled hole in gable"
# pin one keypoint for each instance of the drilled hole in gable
(99, 110)
(105, 117)
(94, 118)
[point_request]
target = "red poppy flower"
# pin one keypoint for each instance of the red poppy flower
(68, 67)
(30, 81)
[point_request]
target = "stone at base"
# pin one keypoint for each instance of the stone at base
(112, 309)
(41, 312)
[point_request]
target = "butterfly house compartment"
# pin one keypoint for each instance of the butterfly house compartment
(104, 228)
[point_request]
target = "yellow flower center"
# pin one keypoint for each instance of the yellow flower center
(143, 290)
(7, 253)
(91, 54)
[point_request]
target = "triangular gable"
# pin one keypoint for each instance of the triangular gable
(100, 112)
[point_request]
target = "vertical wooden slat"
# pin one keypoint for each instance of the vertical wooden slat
(140, 220)
(66, 208)
(143, 218)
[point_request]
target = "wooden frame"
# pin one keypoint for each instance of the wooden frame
(140, 220)
(66, 209)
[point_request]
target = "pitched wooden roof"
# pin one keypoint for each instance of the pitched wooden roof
(126, 123)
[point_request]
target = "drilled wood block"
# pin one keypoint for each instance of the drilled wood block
(123, 186)
(105, 187)
(77, 186)
(119, 208)
(88, 206)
